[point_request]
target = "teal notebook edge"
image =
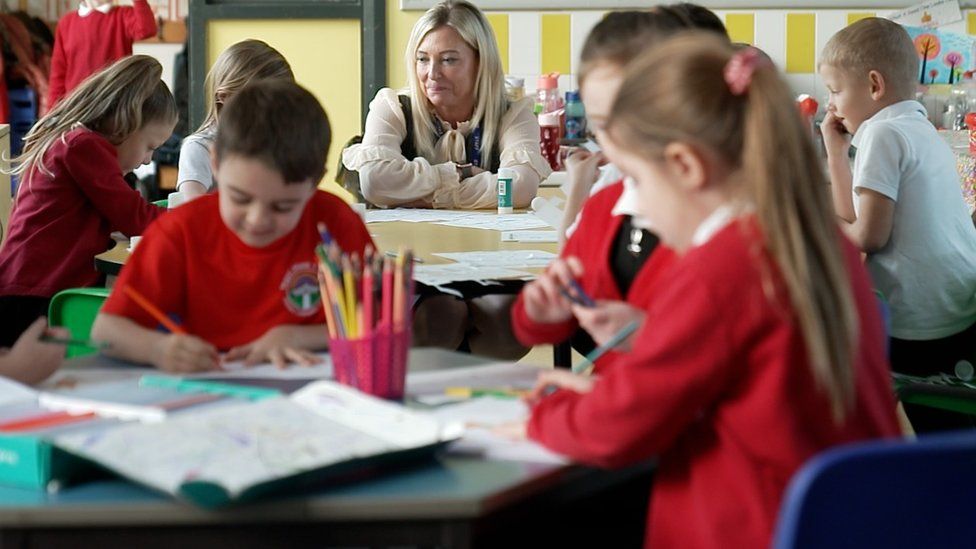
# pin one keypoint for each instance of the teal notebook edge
(32, 461)
(209, 495)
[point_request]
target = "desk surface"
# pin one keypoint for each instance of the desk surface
(424, 239)
(446, 488)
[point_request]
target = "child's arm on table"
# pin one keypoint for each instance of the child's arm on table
(169, 352)
(283, 344)
(32, 360)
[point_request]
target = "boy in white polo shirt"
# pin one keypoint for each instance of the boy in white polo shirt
(902, 204)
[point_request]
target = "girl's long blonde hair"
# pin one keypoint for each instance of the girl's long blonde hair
(489, 86)
(677, 92)
(114, 102)
(236, 67)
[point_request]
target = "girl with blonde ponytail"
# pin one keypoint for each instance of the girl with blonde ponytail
(763, 345)
(72, 194)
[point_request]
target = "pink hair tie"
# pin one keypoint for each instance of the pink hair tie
(739, 69)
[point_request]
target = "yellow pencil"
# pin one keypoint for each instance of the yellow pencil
(350, 297)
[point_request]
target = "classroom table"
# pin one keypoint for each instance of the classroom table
(446, 501)
(424, 239)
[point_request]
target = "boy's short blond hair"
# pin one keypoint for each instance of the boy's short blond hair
(875, 44)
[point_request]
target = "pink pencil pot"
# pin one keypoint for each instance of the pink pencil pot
(376, 364)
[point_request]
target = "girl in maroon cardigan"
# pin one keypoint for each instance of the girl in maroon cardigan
(72, 194)
(764, 345)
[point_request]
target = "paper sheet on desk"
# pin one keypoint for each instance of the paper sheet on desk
(499, 222)
(417, 215)
(513, 259)
(497, 374)
(237, 370)
(530, 236)
(439, 275)
(479, 415)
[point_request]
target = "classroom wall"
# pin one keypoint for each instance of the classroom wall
(325, 57)
(534, 43)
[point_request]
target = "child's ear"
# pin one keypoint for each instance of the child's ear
(878, 85)
(686, 164)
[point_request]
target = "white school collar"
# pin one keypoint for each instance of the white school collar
(627, 204)
(715, 222)
(84, 10)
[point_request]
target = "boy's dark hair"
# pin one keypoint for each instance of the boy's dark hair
(280, 123)
(623, 35)
(698, 17)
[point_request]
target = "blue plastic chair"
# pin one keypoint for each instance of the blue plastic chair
(891, 494)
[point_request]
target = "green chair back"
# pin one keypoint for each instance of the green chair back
(75, 309)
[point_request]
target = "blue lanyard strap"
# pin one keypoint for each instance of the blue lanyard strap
(472, 144)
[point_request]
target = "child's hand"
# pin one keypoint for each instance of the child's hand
(581, 167)
(544, 299)
(836, 139)
(31, 360)
(185, 353)
(275, 346)
(607, 318)
(558, 379)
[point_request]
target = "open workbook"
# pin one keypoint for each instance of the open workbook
(239, 451)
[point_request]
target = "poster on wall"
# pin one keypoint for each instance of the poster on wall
(943, 56)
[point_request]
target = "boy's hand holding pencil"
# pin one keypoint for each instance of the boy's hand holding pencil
(178, 352)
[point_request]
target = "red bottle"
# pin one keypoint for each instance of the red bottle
(549, 138)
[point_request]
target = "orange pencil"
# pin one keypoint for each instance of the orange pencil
(153, 310)
(326, 301)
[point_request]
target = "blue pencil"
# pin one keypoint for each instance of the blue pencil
(612, 343)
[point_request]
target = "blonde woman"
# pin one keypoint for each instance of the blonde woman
(439, 143)
(72, 195)
(236, 67)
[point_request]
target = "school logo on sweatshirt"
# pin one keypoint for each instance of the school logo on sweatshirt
(301, 288)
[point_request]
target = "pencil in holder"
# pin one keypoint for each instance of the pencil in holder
(375, 364)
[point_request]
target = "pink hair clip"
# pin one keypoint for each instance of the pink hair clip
(739, 69)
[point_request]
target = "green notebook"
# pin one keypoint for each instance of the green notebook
(242, 451)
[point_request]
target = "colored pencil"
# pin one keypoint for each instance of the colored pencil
(387, 314)
(43, 421)
(611, 344)
(398, 291)
(326, 301)
(368, 300)
(154, 311)
(350, 287)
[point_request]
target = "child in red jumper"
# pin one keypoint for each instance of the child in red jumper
(764, 345)
(93, 37)
(238, 268)
(72, 194)
(621, 255)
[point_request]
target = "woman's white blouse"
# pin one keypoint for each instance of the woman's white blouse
(387, 178)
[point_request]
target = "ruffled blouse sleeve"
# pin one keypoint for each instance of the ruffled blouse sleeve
(386, 177)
